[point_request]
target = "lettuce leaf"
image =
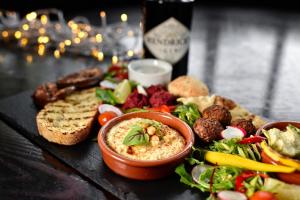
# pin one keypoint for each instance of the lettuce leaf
(106, 96)
(232, 146)
(186, 178)
(188, 113)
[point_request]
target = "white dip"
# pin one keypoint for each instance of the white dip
(163, 142)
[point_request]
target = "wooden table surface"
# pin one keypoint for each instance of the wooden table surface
(251, 56)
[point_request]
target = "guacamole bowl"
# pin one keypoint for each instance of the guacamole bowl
(272, 156)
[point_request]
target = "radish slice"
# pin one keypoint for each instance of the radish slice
(107, 107)
(197, 170)
(231, 195)
(233, 132)
(141, 90)
(108, 84)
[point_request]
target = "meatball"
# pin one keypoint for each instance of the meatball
(218, 113)
(244, 124)
(226, 103)
(208, 129)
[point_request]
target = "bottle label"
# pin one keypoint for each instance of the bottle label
(168, 41)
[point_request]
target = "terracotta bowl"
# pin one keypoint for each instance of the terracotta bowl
(145, 170)
(294, 177)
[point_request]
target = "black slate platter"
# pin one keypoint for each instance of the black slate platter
(19, 112)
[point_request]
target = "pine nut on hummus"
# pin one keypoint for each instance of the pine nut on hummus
(144, 139)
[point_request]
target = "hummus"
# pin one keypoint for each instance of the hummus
(162, 141)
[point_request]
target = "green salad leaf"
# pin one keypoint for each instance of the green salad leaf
(130, 110)
(136, 136)
(223, 178)
(133, 84)
(109, 76)
(196, 156)
(232, 146)
(106, 96)
(188, 113)
(253, 184)
(186, 178)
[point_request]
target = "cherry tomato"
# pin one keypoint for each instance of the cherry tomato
(105, 117)
(263, 195)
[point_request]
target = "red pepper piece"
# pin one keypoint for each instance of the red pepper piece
(253, 139)
(122, 76)
(118, 72)
(172, 108)
(239, 181)
(114, 68)
(154, 109)
(163, 108)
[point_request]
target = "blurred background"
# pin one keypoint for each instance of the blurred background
(104, 4)
(247, 50)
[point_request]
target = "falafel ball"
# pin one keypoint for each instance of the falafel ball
(218, 113)
(245, 124)
(208, 130)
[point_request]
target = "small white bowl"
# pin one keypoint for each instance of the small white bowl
(149, 72)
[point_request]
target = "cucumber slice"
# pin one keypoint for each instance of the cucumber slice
(241, 152)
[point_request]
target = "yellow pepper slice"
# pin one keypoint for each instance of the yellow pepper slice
(219, 158)
(278, 157)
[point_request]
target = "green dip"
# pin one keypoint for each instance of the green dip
(285, 142)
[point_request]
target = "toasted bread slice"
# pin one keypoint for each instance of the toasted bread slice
(69, 121)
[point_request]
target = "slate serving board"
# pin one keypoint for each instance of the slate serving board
(19, 112)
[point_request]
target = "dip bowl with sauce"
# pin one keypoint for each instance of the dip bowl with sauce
(292, 178)
(150, 161)
(149, 72)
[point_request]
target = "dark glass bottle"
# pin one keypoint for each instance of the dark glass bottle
(166, 27)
